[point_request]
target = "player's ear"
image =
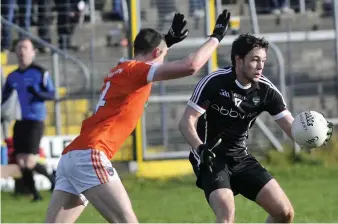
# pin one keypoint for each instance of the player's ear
(238, 59)
(156, 52)
(34, 53)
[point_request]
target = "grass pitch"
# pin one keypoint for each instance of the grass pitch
(313, 191)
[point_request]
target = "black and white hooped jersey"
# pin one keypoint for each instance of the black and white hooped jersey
(230, 109)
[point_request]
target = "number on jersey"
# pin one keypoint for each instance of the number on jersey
(102, 101)
(238, 102)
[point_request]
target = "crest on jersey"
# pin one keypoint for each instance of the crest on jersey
(256, 100)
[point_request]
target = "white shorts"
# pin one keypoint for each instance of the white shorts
(80, 170)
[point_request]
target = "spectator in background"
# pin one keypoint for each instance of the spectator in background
(165, 12)
(69, 12)
(24, 17)
(44, 22)
(33, 85)
(327, 6)
(68, 16)
(280, 6)
(197, 9)
(120, 8)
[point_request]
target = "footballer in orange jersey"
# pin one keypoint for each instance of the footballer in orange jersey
(84, 172)
(125, 92)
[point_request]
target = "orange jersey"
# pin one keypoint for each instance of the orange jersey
(123, 97)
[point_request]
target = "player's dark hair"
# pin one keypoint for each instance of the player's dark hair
(146, 41)
(245, 43)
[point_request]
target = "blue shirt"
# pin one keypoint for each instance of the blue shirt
(33, 85)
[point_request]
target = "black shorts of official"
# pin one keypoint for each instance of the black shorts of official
(27, 135)
(245, 176)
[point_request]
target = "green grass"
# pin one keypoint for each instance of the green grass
(313, 190)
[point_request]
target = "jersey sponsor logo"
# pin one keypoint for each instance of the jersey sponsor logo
(239, 96)
(28, 79)
(118, 71)
(225, 93)
(232, 112)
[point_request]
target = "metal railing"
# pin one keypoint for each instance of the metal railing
(56, 52)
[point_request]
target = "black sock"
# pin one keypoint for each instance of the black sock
(42, 170)
(28, 180)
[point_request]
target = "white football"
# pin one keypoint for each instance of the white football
(309, 129)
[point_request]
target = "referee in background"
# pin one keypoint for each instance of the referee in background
(33, 85)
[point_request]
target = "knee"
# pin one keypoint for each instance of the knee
(127, 216)
(20, 161)
(225, 219)
(225, 214)
(287, 214)
(131, 218)
(223, 204)
(31, 161)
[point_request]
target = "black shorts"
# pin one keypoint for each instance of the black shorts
(245, 176)
(27, 135)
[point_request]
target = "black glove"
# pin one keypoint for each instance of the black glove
(206, 156)
(175, 34)
(221, 26)
(31, 90)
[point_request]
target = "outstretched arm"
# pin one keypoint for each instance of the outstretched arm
(188, 66)
(195, 61)
(286, 123)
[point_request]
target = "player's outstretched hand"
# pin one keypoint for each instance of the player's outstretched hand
(221, 25)
(206, 156)
(176, 33)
